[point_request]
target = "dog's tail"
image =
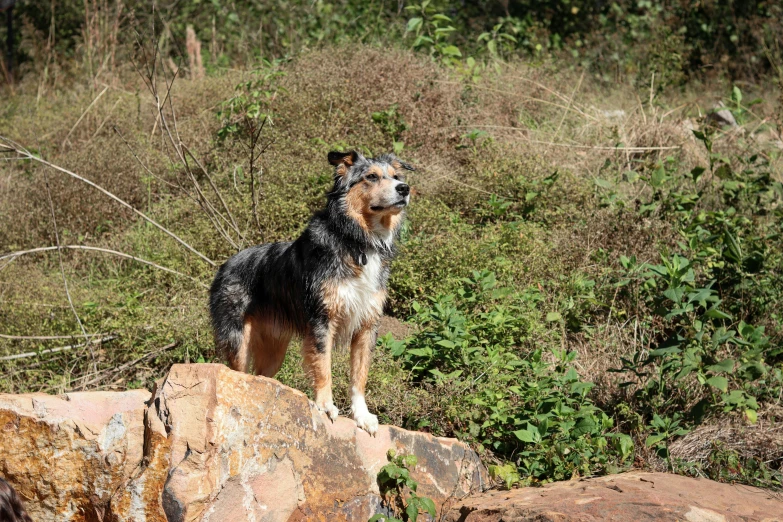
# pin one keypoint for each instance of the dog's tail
(228, 303)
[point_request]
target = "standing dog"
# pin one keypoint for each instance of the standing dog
(328, 286)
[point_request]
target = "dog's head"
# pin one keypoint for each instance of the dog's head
(370, 187)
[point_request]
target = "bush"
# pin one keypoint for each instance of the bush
(520, 402)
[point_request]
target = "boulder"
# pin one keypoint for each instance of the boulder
(637, 496)
(210, 444)
(67, 456)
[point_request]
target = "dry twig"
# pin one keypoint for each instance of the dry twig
(105, 250)
(12, 145)
(56, 350)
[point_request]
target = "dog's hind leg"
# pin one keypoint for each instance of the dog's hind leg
(361, 350)
(317, 354)
(268, 345)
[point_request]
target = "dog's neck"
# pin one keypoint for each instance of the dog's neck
(361, 241)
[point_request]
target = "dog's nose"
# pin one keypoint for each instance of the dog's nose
(403, 189)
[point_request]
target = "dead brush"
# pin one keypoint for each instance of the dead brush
(726, 446)
(100, 33)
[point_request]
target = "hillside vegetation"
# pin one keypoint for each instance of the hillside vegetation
(591, 274)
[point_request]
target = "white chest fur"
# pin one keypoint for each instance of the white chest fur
(360, 299)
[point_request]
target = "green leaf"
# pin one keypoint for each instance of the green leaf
(714, 313)
(528, 435)
(725, 366)
(654, 439)
(584, 426)
(751, 415)
(413, 24)
(451, 50)
(658, 177)
(665, 351)
(723, 172)
(492, 47)
(428, 505)
(446, 344)
(412, 511)
(719, 382)
(736, 95)
(626, 446)
(604, 184)
(553, 316)
(753, 370)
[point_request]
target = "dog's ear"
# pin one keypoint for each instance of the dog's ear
(343, 161)
(398, 164)
(343, 158)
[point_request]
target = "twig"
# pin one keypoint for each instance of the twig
(215, 189)
(28, 155)
(529, 98)
(127, 365)
(578, 146)
(83, 115)
(147, 170)
(105, 250)
(41, 337)
(111, 111)
(62, 268)
(56, 350)
(570, 101)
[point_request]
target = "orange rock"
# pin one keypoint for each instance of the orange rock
(214, 445)
(635, 496)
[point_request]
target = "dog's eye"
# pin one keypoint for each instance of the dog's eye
(397, 177)
(372, 177)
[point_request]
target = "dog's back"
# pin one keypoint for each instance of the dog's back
(263, 284)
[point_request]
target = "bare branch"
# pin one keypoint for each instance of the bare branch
(105, 250)
(62, 268)
(56, 350)
(83, 115)
(41, 337)
(127, 365)
(28, 155)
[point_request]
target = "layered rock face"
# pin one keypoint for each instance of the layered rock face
(636, 496)
(214, 445)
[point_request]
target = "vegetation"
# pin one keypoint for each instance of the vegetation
(399, 490)
(591, 275)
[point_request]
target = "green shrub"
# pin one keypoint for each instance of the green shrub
(504, 394)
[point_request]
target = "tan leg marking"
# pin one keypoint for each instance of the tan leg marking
(240, 361)
(267, 344)
(319, 367)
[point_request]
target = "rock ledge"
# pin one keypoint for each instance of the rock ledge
(210, 444)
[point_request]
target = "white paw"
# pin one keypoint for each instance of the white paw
(366, 421)
(329, 409)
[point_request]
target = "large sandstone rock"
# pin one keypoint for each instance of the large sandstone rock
(68, 455)
(210, 444)
(635, 496)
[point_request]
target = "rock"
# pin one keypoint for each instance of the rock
(210, 444)
(722, 117)
(66, 456)
(636, 496)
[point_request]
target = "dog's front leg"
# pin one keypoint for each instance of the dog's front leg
(317, 352)
(361, 351)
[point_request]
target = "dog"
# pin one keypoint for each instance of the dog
(328, 286)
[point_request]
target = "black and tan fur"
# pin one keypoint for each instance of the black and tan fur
(328, 286)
